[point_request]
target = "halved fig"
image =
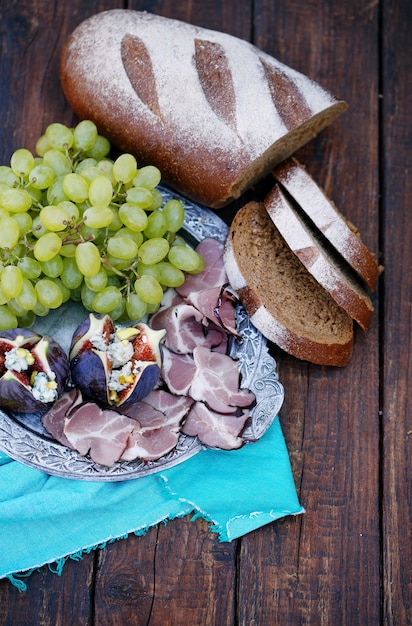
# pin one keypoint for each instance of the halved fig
(115, 366)
(33, 371)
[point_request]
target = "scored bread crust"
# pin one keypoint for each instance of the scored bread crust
(212, 111)
(282, 299)
(295, 179)
(318, 259)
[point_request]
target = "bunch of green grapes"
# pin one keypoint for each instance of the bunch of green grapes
(76, 224)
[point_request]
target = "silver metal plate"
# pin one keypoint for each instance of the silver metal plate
(23, 438)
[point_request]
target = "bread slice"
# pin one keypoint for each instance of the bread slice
(319, 258)
(283, 300)
(294, 178)
(212, 111)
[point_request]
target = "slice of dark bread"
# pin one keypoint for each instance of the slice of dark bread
(282, 299)
(340, 233)
(319, 257)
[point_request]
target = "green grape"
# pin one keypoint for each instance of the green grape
(71, 209)
(116, 222)
(133, 217)
(156, 225)
(22, 162)
(16, 200)
(148, 176)
(26, 320)
(16, 308)
(98, 281)
(75, 187)
(119, 310)
(84, 135)
(76, 294)
(43, 145)
(54, 217)
(157, 200)
(113, 263)
(7, 176)
(169, 275)
(88, 258)
(100, 149)
(136, 236)
(85, 163)
(55, 193)
(37, 229)
(90, 173)
(27, 297)
(107, 300)
(11, 281)
(3, 297)
(100, 191)
(66, 293)
(3, 212)
(24, 221)
(59, 136)
(135, 307)
(106, 166)
(153, 250)
(54, 267)
(149, 270)
(174, 214)
(7, 319)
(48, 293)
(87, 297)
(139, 195)
(71, 276)
(47, 246)
(41, 176)
(152, 308)
(185, 258)
(148, 289)
(68, 250)
(58, 162)
(36, 194)
(98, 217)
(9, 232)
(124, 168)
(122, 248)
(40, 309)
(30, 268)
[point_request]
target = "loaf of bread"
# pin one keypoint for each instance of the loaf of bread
(341, 234)
(213, 112)
(281, 297)
(319, 257)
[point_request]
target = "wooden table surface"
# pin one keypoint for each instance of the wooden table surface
(347, 560)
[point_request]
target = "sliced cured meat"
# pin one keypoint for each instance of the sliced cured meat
(159, 408)
(214, 429)
(54, 419)
(184, 329)
(151, 444)
(177, 371)
(103, 434)
(217, 304)
(216, 382)
(214, 274)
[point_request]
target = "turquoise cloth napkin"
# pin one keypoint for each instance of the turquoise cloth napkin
(46, 519)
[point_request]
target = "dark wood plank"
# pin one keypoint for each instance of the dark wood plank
(310, 567)
(396, 325)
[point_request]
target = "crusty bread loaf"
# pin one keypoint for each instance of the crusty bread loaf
(281, 297)
(213, 112)
(295, 179)
(318, 257)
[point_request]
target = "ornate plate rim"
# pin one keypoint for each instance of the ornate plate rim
(258, 372)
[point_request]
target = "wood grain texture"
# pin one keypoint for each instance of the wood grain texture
(348, 431)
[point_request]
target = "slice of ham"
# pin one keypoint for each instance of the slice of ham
(216, 382)
(214, 274)
(217, 304)
(177, 371)
(151, 444)
(158, 408)
(103, 434)
(184, 328)
(54, 419)
(214, 429)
